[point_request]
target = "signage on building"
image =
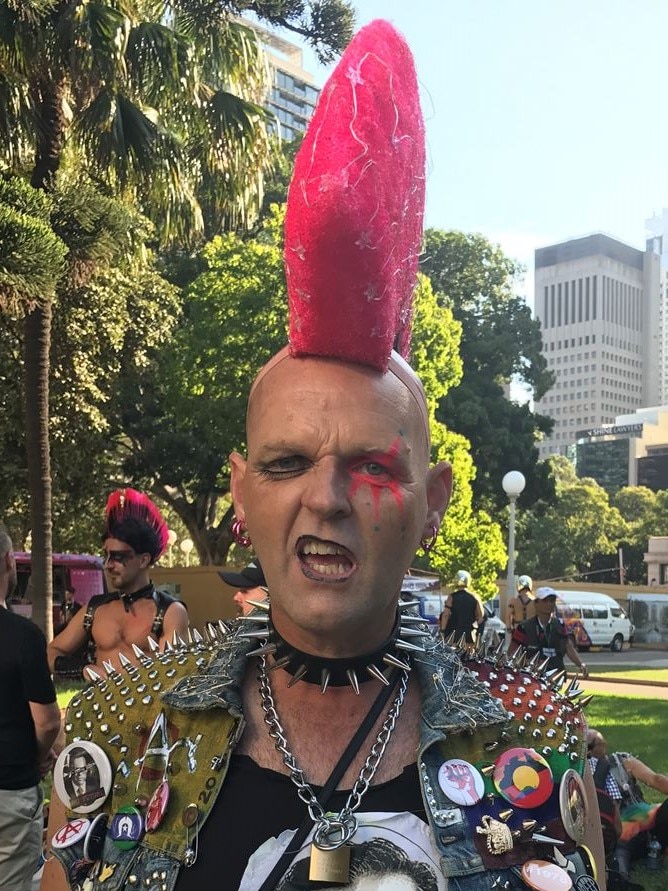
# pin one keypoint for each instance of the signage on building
(611, 430)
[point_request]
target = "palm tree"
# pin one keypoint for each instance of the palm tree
(157, 101)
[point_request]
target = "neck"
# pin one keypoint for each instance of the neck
(141, 582)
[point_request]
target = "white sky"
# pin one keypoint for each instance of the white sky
(545, 118)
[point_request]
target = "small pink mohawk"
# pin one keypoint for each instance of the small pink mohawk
(353, 225)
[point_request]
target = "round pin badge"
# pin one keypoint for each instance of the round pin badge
(573, 805)
(94, 841)
(586, 883)
(127, 827)
(523, 777)
(69, 834)
(545, 876)
(157, 806)
(82, 777)
(461, 782)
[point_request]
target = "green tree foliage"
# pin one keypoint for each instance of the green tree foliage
(568, 537)
(500, 341)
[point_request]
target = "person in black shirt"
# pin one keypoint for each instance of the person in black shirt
(545, 633)
(29, 724)
(462, 610)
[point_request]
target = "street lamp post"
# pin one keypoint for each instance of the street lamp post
(513, 485)
(186, 546)
(171, 541)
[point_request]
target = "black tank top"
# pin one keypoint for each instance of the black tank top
(463, 607)
(256, 804)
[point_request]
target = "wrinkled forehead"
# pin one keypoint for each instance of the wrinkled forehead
(360, 384)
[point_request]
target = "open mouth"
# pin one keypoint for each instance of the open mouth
(324, 560)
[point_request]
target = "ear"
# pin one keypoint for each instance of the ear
(145, 561)
(238, 467)
(439, 490)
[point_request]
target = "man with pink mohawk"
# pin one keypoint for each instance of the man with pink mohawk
(339, 743)
(134, 538)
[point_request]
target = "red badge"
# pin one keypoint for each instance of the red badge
(157, 807)
(545, 876)
(523, 777)
(70, 833)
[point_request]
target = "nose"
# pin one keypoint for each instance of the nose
(327, 491)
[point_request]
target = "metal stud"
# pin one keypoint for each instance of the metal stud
(298, 675)
(389, 659)
(351, 674)
(376, 673)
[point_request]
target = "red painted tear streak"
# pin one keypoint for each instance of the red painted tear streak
(381, 483)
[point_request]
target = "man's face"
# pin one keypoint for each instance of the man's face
(122, 565)
(336, 495)
(79, 770)
(242, 597)
(545, 607)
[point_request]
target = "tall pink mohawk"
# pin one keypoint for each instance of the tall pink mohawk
(132, 517)
(353, 226)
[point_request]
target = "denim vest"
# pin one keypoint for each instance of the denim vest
(460, 718)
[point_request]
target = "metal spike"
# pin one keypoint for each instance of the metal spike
(375, 672)
(533, 662)
(125, 662)
(450, 639)
(280, 663)
(546, 839)
(223, 628)
(153, 645)
(572, 685)
(191, 639)
(540, 669)
(262, 619)
(558, 679)
(522, 659)
(506, 815)
(499, 651)
(260, 604)
(352, 679)
(259, 634)
(529, 825)
(324, 679)
(168, 648)
(92, 674)
(389, 659)
(298, 675)
(111, 671)
(409, 619)
(487, 771)
(141, 656)
(177, 641)
(584, 702)
(461, 643)
(267, 650)
(197, 637)
(407, 604)
(413, 632)
(411, 648)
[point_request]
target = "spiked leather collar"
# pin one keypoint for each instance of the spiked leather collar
(128, 599)
(408, 636)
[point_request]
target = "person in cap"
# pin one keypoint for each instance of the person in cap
(545, 634)
(250, 584)
(134, 612)
(323, 720)
(462, 611)
(522, 606)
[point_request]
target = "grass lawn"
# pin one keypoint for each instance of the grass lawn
(635, 725)
(634, 674)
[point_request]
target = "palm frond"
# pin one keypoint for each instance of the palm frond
(158, 61)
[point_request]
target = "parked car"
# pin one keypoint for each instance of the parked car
(594, 619)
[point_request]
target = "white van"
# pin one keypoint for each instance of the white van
(594, 619)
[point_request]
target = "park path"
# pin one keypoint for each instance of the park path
(621, 688)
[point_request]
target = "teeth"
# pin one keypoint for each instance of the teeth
(328, 569)
(322, 548)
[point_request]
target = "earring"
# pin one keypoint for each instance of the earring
(427, 543)
(239, 533)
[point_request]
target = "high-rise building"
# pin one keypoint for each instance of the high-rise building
(657, 232)
(293, 94)
(596, 299)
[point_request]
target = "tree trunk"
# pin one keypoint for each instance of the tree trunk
(37, 342)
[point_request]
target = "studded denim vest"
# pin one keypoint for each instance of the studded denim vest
(471, 713)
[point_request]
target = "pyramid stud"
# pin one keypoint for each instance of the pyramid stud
(375, 672)
(141, 656)
(123, 659)
(92, 675)
(109, 668)
(223, 628)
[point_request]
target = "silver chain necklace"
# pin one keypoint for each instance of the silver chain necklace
(331, 832)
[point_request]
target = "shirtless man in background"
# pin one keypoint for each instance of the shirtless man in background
(135, 536)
